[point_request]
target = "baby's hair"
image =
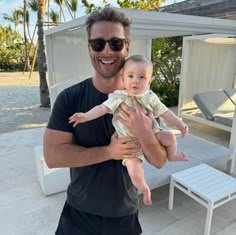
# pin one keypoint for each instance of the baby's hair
(138, 58)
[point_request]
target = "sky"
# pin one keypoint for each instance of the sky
(7, 6)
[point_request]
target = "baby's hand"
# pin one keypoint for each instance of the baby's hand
(184, 131)
(77, 118)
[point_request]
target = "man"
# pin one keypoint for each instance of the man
(101, 198)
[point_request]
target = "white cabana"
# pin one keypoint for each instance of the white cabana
(67, 52)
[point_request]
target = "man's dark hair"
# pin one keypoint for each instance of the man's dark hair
(108, 14)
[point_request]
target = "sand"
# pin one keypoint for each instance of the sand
(20, 102)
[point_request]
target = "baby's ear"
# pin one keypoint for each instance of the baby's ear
(151, 80)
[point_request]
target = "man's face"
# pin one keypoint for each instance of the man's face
(108, 62)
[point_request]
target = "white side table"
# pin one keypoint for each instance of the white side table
(206, 185)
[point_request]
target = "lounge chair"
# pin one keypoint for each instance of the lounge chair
(217, 106)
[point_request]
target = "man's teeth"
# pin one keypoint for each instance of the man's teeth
(107, 61)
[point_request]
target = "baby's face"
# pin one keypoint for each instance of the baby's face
(137, 77)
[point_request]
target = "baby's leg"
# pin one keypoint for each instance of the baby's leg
(167, 139)
(136, 173)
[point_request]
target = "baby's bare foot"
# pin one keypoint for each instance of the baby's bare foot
(181, 157)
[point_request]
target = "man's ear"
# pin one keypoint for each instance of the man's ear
(128, 48)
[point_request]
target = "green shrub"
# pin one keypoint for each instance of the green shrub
(166, 58)
(167, 93)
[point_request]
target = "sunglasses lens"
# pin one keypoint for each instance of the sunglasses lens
(97, 44)
(116, 44)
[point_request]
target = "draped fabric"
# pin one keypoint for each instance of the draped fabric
(206, 67)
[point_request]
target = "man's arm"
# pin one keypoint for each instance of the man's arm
(140, 125)
(60, 152)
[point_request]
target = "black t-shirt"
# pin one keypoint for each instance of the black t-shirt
(105, 188)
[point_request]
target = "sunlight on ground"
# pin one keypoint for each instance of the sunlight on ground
(33, 125)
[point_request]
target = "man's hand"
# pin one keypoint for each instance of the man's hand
(140, 125)
(136, 121)
(121, 148)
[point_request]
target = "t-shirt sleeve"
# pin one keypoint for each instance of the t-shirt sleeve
(60, 114)
(158, 107)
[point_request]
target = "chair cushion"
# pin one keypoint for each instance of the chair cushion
(213, 102)
(231, 93)
(224, 118)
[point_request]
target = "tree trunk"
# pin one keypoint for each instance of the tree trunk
(27, 61)
(42, 66)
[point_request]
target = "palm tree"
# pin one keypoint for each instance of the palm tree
(54, 16)
(42, 67)
(33, 5)
(26, 27)
(60, 3)
(88, 7)
(73, 5)
(15, 18)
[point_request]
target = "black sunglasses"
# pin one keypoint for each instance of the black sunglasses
(116, 44)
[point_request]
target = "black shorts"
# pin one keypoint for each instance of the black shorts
(73, 222)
